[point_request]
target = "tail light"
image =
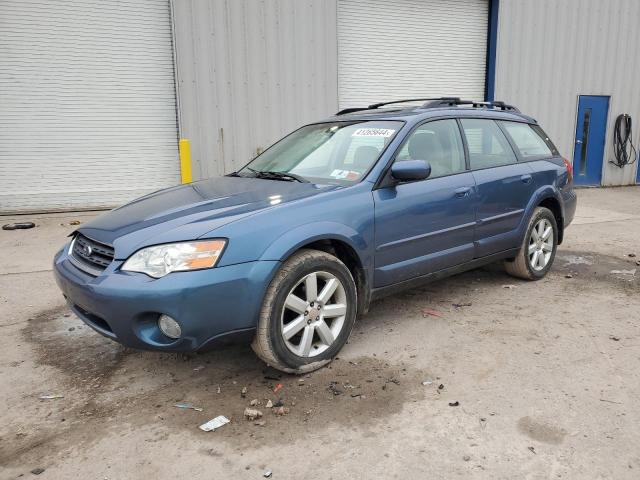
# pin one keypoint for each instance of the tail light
(569, 168)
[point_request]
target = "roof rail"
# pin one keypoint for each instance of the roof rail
(436, 103)
(450, 102)
(373, 106)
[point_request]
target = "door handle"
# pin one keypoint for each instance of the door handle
(463, 192)
(526, 178)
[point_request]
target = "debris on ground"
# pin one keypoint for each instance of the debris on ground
(269, 404)
(427, 312)
(279, 403)
(568, 275)
(333, 389)
(214, 423)
(277, 388)
(198, 368)
(254, 402)
(441, 386)
(510, 287)
(615, 339)
(427, 382)
(252, 414)
(631, 272)
(610, 401)
(75, 222)
(632, 255)
(280, 411)
(357, 395)
(466, 458)
(532, 450)
(267, 473)
(218, 390)
(454, 404)
(187, 406)
(460, 305)
(18, 226)
(49, 396)
(37, 471)
(243, 392)
(260, 423)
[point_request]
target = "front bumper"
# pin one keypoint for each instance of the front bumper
(213, 306)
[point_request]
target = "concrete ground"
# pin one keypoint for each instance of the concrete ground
(524, 379)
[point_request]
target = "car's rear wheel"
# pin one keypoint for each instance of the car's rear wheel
(538, 248)
(307, 314)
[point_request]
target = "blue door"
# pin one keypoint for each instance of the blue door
(591, 128)
(426, 226)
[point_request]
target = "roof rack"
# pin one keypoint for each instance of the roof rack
(450, 102)
(436, 103)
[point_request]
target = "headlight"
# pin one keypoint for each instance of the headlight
(159, 260)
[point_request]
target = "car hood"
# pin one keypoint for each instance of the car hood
(187, 212)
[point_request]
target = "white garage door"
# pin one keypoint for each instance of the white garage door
(398, 49)
(87, 103)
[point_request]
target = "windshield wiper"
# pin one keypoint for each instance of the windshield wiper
(287, 177)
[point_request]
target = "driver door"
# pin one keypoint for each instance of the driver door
(425, 226)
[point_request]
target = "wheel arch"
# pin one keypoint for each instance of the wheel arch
(550, 198)
(347, 255)
(338, 240)
(554, 205)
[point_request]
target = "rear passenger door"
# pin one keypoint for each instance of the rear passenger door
(504, 186)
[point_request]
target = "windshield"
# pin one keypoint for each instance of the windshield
(338, 152)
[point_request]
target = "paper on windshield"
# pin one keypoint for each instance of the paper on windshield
(374, 132)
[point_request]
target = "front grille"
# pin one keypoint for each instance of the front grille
(90, 256)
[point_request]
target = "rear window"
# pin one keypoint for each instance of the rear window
(528, 142)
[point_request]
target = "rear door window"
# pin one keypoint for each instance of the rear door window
(527, 141)
(488, 147)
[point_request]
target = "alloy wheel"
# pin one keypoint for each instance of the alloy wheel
(314, 314)
(540, 244)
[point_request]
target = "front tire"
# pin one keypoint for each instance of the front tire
(307, 314)
(538, 248)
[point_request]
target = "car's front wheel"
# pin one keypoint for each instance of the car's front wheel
(307, 314)
(538, 248)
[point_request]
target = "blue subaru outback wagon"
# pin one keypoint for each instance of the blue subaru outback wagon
(287, 251)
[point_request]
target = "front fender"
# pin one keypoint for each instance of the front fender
(286, 244)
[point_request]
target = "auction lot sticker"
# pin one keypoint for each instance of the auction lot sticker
(373, 132)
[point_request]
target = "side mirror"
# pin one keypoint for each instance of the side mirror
(410, 170)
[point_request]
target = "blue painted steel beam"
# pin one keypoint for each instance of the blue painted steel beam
(492, 44)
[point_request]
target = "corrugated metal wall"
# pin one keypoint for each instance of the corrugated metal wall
(550, 51)
(87, 103)
(250, 71)
(393, 49)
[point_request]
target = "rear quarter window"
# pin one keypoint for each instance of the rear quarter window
(528, 142)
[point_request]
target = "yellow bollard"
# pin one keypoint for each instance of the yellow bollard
(185, 160)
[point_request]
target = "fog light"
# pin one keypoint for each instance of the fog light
(169, 326)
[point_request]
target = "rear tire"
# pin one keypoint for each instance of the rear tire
(538, 249)
(307, 314)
